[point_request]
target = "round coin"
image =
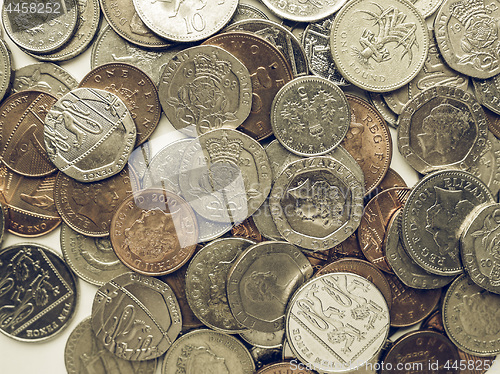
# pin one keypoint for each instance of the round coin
(488, 92)
(266, 340)
(285, 367)
(6, 73)
(304, 11)
(39, 292)
(136, 317)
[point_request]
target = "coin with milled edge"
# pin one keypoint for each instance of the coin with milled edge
(304, 11)
(247, 11)
(432, 217)
(39, 292)
(487, 168)
(488, 92)
(379, 103)
(6, 73)
(263, 339)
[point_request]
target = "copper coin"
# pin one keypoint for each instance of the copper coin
(247, 230)
(364, 269)
(369, 141)
(269, 72)
(88, 207)
(410, 305)
(135, 88)
(434, 322)
(392, 179)
(421, 352)
(493, 122)
(22, 148)
(287, 367)
(154, 232)
(29, 203)
(376, 217)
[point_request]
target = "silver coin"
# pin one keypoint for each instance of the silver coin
(387, 114)
(427, 7)
(261, 282)
(136, 317)
(432, 217)
(247, 11)
(185, 22)
(39, 292)
(92, 259)
(487, 167)
(337, 322)
(139, 161)
(264, 222)
(85, 354)
(279, 157)
(205, 88)
(42, 26)
(442, 128)
(310, 116)
(263, 339)
(470, 317)
(6, 73)
(45, 77)
(206, 283)
(210, 352)
(488, 92)
(225, 175)
(317, 202)
(304, 11)
(89, 134)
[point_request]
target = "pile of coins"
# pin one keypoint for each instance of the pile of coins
(264, 230)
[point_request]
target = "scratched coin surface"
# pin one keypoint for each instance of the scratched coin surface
(136, 317)
(89, 134)
(39, 292)
(337, 322)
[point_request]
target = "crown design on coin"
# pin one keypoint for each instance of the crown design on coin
(463, 10)
(210, 65)
(224, 149)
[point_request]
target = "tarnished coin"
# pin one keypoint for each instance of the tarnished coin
(209, 351)
(286, 367)
(88, 207)
(487, 168)
(310, 116)
(493, 122)
(137, 91)
(83, 352)
(264, 339)
(6, 67)
(261, 282)
(154, 232)
(316, 202)
(92, 259)
(467, 36)
(379, 46)
(442, 128)
(39, 292)
(185, 22)
(247, 230)
(89, 134)
(205, 88)
(22, 118)
(40, 27)
(432, 217)
(304, 11)
(136, 317)
(337, 322)
(469, 317)
(206, 283)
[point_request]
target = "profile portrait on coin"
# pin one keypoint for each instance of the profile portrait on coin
(202, 360)
(94, 199)
(263, 287)
(485, 315)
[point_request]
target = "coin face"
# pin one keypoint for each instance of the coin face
(379, 46)
(487, 168)
(488, 93)
(39, 293)
(266, 340)
(6, 73)
(301, 11)
(136, 317)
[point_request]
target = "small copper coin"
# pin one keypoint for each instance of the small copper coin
(410, 305)
(434, 322)
(154, 232)
(392, 179)
(247, 230)
(376, 217)
(368, 140)
(137, 91)
(22, 148)
(88, 207)
(285, 368)
(269, 72)
(493, 122)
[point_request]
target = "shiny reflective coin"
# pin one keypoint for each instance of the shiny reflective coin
(469, 317)
(136, 317)
(185, 22)
(89, 134)
(92, 259)
(206, 283)
(207, 350)
(6, 73)
(247, 11)
(205, 88)
(261, 282)
(442, 128)
(154, 232)
(247, 230)
(264, 339)
(301, 11)
(310, 116)
(432, 217)
(337, 322)
(379, 46)
(39, 292)
(40, 27)
(84, 352)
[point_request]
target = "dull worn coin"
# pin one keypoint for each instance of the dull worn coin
(487, 168)
(377, 100)
(488, 92)
(247, 11)
(264, 339)
(6, 69)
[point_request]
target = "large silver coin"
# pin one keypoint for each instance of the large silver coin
(433, 215)
(337, 322)
(136, 317)
(261, 282)
(247, 11)
(304, 11)
(6, 74)
(89, 134)
(317, 202)
(39, 292)
(205, 88)
(488, 92)
(185, 21)
(487, 168)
